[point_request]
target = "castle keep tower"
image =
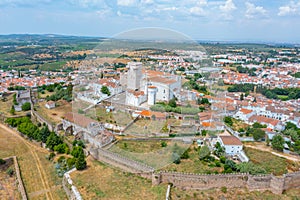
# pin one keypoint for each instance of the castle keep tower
(134, 75)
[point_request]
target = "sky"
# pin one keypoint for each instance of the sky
(214, 20)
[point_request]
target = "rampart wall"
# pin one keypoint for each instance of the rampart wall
(200, 181)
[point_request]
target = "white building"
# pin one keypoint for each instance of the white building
(244, 114)
(152, 90)
(232, 144)
(167, 85)
(50, 104)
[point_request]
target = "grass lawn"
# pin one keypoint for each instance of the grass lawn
(11, 145)
(102, 182)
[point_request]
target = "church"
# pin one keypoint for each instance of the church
(148, 85)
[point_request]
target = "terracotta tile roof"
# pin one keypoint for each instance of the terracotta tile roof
(78, 119)
(230, 140)
(245, 111)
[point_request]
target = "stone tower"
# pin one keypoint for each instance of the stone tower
(152, 95)
(134, 75)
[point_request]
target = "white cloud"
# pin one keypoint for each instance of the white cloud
(126, 2)
(228, 6)
(197, 11)
(147, 1)
(291, 8)
(253, 11)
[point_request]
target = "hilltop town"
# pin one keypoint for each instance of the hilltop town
(184, 119)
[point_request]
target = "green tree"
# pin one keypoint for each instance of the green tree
(204, 152)
(77, 151)
(176, 158)
(105, 90)
(185, 155)
(12, 110)
(26, 106)
(44, 134)
(242, 97)
(204, 101)
(61, 148)
(258, 134)
(277, 142)
(219, 150)
(251, 168)
(172, 103)
(80, 162)
(228, 120)
(53, 140)
(163, 144)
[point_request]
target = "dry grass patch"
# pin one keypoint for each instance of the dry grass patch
(56, 114)
(8, 186)
(232, 194)
(102, 182)
(12, 145)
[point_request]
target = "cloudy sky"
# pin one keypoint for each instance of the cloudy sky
(220, 20)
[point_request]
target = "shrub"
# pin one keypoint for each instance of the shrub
(2, 161)
(224, 189)
(163, 144)
(10, 171)
(26, 106)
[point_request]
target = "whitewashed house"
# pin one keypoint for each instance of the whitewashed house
(50, 104)
(244, 114)
(232, 144)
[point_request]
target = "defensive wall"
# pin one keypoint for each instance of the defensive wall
(269, 182)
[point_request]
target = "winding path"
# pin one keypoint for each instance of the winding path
(33, 148)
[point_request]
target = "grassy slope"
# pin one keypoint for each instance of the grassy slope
(102, 182)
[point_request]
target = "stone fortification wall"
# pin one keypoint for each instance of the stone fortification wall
(203, 181)
(70, 189)
(120, 161)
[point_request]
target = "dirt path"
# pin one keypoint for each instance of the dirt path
(33, 148)
(264, 148)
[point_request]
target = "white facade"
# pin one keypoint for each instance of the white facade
(134, 98)
(232, 145)
(151, 95)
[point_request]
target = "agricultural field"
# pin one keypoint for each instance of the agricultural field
(38, 174)
(100, 181)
